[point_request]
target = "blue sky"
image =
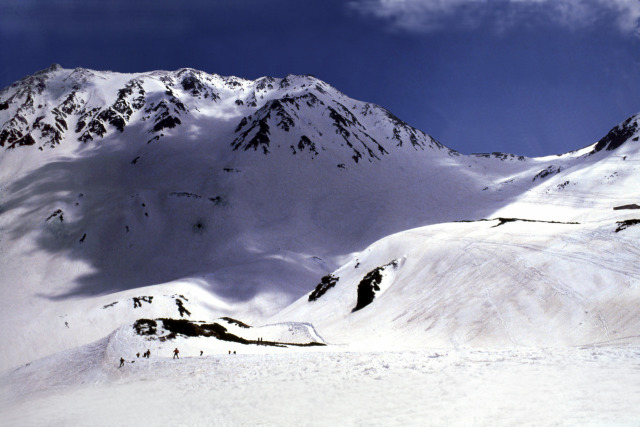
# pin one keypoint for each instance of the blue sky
(532, 77)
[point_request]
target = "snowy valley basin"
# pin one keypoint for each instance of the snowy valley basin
(314, 259)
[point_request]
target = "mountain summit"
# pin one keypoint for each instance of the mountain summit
(311, 116)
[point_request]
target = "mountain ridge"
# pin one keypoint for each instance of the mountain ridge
(93, 120)
(163, 104)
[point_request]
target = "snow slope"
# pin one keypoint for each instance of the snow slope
(556, 266)
(486, 284)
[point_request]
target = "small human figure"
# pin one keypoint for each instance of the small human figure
(200, 352)
(229, 351)
(138, 355)
(148, 353)
(175, 353)
(121, 362)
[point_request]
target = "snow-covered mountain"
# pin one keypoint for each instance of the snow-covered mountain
(236, 197)
(556, 266)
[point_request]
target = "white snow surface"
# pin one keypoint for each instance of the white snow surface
(481, 284)
(509, 294)
(352, 387)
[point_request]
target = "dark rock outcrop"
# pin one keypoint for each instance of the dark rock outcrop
(618, 135)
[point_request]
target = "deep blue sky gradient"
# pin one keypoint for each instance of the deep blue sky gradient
(535, 89)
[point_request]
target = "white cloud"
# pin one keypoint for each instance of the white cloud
(433, 15)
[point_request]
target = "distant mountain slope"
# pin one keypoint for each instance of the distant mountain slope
(252, 190)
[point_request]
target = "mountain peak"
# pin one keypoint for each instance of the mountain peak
(59, 106)
(619, 134)
(51, 68)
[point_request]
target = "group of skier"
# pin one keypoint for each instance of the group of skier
(147, 354)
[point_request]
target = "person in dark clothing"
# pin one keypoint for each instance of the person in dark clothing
(200, 352)
(175, 353)
(121, 362)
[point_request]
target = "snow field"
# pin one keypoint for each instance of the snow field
(574, 386)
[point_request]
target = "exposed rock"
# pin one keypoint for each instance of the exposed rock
(623, 225)
(630, 206)
(326, 283)
(618, 135)
(306, 143)
(370, 285)
(56, 214)
(550, 170)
